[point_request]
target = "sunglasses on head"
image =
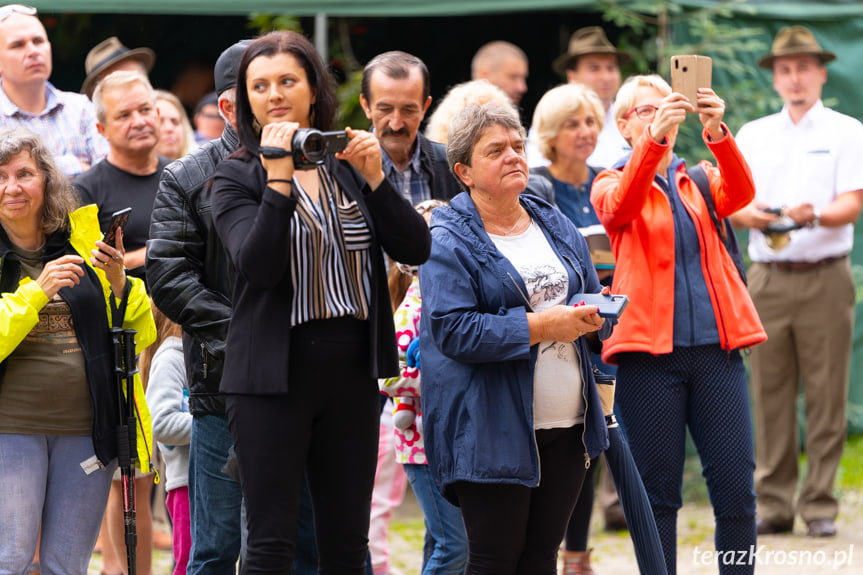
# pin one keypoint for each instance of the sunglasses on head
(9, 9)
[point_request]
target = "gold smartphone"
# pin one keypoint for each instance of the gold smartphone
(690, 72)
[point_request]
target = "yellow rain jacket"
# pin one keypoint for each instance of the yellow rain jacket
(19, 313)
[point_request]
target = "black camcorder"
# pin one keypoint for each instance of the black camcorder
(309, 147)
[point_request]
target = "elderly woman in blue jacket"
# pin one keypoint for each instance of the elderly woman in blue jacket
(511, 409)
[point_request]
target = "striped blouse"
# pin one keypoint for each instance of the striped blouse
(330, 263)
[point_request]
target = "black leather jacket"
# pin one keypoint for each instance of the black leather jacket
(189, 271)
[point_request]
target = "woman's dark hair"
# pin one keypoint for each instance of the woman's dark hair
(323, 113)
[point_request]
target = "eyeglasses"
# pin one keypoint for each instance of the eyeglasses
(644, 112)
(9, 9)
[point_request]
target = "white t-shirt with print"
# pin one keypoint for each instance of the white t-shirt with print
(557, 383)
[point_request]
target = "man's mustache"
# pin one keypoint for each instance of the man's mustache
(401, 132)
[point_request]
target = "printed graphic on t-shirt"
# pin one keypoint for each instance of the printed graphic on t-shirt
(545, 284)
(555, 350)
(56, 327)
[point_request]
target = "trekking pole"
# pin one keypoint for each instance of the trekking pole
(124, 370)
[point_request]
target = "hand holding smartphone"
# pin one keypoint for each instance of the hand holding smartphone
(690, 72)
(118, 221)
(610, 306)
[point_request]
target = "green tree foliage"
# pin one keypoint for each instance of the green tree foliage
(263, 23)
(653, 31)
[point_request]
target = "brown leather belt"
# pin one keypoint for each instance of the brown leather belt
(804, 266)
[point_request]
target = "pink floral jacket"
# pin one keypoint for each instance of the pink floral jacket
(406, 387)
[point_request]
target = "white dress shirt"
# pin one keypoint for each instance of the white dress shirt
(812, 161)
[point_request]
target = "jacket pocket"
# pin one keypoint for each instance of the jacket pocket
(356, 231)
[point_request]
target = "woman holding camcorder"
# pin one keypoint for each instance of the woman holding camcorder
(312, 328)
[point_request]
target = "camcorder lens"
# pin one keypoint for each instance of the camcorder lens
(315, 147)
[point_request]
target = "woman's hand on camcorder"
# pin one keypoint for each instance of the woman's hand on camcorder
(279, 135)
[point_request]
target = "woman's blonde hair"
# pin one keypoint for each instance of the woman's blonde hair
(555, 107)
(188, 132)
(459, 97)
(625, 99)
(165, 328)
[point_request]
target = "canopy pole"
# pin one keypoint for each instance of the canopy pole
(321, 40)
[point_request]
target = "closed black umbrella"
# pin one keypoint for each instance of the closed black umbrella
(630, 488)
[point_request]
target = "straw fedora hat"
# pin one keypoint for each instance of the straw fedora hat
(106, 54)
(589, 40)
(795, 41)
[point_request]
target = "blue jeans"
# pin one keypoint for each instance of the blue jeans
(214, 500)
(42, 481)
(444, 525)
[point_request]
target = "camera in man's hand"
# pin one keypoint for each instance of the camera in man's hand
(309, 147)
(777, 233)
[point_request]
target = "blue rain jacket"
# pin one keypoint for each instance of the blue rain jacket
(477, 362)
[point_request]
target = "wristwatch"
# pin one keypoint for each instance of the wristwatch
(816, 221)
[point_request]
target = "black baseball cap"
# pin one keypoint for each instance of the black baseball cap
(225, 71)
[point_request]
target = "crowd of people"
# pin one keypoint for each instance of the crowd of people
(445, 270)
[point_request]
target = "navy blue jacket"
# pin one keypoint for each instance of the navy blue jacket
(477, 360)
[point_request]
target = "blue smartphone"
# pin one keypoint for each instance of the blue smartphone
(610, 306)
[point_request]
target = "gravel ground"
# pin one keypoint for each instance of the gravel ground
(793, 554)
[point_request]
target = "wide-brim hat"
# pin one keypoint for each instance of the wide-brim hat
(795, 41)
(107, 53)
(584, 41)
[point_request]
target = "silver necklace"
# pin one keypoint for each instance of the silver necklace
(515, 225)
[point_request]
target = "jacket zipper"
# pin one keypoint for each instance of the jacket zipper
(532, 403)
(204, 358)
(586, 406)
(583, 380)
(580, 361)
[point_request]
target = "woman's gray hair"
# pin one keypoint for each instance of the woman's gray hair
(59, 200)
(467, 128)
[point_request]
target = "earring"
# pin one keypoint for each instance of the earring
(312, 117)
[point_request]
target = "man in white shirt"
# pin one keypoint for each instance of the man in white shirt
(806, 162)
(63, 120)
(595, 62)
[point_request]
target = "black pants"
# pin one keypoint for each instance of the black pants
(513, 529)
(326, 426)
